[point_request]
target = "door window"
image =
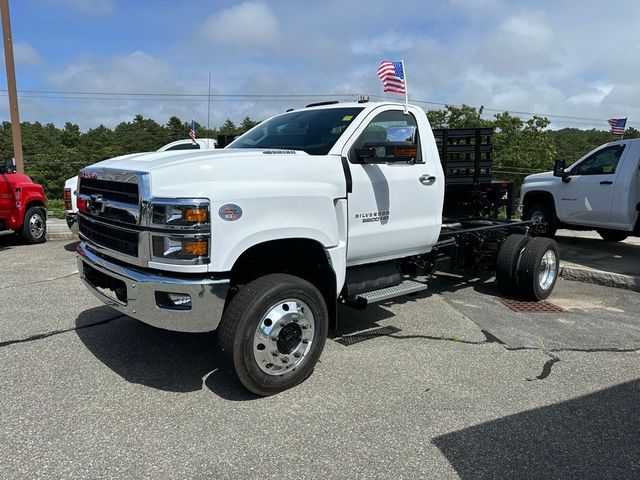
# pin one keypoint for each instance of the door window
(603, 162)
(392, 134)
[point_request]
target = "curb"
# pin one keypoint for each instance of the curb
(600, 277)
(53, 236)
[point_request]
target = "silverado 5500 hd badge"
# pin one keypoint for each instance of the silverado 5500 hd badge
(372, 216)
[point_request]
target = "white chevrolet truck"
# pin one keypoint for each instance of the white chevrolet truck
(601, 191)
(333, 203)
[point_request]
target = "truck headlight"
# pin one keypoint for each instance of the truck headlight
(180, 214)
(180, 248)
(180, 230)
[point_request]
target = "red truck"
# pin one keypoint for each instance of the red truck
(22, 204)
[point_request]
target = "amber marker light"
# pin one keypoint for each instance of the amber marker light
(195, 215)
(198, 248)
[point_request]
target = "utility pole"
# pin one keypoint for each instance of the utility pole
(11, 85)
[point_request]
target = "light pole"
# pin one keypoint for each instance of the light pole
(11, 85)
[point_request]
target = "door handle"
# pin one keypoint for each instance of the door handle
(606, 182)
(427, 179)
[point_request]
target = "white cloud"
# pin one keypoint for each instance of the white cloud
(387, 42)
(593, 95)
(137, 72)
(522, 43)
(24, 54)
(248, 26)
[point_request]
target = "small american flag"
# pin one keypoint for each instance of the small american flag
(617, 125)
(392, 76)
(192, 131)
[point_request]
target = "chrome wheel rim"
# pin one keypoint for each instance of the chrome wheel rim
(284, 337)
(36, 226)
(548, 270)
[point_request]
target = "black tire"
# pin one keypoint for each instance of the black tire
(34, 226)
(246, 335)
(544, 214)
(612, 235)
(507, 261)
(540, 255)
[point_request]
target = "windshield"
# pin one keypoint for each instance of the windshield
(312, 131)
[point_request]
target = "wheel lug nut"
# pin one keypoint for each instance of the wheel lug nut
(275, 353)
(284, 359)
(304, 327)
(305, 340)
(295, 318)
(297, 354)
(274, 338)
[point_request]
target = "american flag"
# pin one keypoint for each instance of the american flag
(617, 125)
(392, 76)
(192, 131)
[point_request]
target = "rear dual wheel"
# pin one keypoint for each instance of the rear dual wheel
(273, 332)
(528, 266)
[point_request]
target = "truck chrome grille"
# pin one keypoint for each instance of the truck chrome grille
(109, 236)
(124, 192)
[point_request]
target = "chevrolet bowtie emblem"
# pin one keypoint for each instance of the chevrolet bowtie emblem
(96, 206)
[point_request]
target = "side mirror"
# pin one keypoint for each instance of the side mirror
(9, 165)
(401, 134)
(559, 170)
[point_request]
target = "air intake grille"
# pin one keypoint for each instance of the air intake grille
(110, 190)
(109, 236)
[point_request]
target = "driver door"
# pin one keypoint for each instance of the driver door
(587, 198)
(395, 207)
(5, 197)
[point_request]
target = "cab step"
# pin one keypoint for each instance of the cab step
(374, 296)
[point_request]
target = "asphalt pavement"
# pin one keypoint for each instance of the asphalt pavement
(446, 384)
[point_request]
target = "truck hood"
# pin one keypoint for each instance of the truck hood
(539, 177)
(230, 173)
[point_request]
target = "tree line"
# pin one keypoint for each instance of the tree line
(521, 147)
(52, 155)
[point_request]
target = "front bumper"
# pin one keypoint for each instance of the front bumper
(72, 222)
(142, 294)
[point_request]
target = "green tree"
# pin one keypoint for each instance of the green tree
(521, 147)
(246, 125)
(228, 128)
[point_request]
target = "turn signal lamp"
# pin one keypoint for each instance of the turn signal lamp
(195, 215)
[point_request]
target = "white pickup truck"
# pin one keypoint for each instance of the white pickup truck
(333, 203)
(601, 192)
(71, 184)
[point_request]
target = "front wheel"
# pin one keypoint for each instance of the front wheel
(612, 235)
(273, 332)
(34, 226)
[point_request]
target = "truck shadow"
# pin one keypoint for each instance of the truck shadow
(189, 362)
(71, 247)
(593, 436)
(159, 359)
(614, 257)
(7, 241)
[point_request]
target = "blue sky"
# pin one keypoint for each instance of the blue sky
(569, 58)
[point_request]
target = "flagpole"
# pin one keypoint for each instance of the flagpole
(406, 89)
